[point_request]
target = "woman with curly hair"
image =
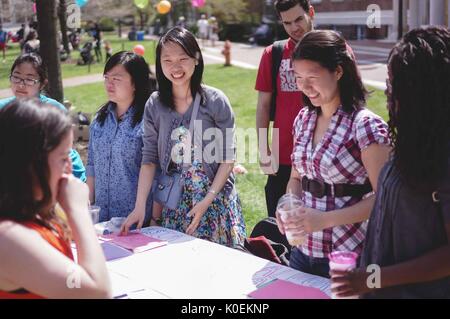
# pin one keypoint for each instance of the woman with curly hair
(408, 234)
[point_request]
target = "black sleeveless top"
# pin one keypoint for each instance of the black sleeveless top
(405, 225)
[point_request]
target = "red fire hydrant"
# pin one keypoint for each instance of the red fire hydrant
(227, 52)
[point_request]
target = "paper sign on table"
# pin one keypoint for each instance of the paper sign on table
(281, 289)
(134, 241)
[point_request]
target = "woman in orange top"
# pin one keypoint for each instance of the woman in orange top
(35, 256)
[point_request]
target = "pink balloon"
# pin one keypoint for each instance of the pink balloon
(139, 49)
(198, 3)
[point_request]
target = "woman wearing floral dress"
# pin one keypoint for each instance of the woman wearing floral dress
(209, 207)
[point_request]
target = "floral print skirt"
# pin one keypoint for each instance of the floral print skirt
(222, 223)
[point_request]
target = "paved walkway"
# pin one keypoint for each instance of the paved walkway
(371, 56)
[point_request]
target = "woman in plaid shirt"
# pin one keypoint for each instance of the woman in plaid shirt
(339, 150)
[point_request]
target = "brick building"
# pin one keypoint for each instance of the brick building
(351, 17)
(357, 20)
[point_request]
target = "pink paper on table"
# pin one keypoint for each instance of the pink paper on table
(135, 241)
(281, 289)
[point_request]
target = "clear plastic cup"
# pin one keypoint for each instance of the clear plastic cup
(342, 260)
(288, 206)
(95, 213)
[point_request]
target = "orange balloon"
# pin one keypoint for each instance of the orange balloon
(139, 49)
(163, 7)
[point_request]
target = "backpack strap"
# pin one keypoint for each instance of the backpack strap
(277, 55)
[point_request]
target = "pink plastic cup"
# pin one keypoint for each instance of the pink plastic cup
(342, 260)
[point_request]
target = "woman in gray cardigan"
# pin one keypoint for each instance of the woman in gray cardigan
(209, 207)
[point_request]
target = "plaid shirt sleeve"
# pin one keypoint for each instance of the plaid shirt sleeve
(370, 129)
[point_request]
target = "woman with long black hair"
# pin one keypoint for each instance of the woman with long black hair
(340, 147)
(408, 237)
(209, 207)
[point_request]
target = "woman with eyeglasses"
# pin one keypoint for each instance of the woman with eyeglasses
(28, 79)
(115, 143)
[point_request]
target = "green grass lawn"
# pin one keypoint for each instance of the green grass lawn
(70, 68)
(377, 103)
(238, 85)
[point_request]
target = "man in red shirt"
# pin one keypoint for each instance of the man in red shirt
(297, 18)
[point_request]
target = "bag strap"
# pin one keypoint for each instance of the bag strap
(277, 55)
(194, 114)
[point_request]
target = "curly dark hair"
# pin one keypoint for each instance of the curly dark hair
(419, 106)
(329, 49)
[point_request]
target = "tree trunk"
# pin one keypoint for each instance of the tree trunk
(119, 30)
(49, 46)
(62, 14)
(141, 16)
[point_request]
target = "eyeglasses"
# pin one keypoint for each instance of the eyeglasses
(28, 82)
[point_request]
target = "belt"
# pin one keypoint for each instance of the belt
(320, 189)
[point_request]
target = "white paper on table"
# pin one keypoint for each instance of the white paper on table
(316, 282)
(147, 294)
(274, 271)
(195, 269)
(165, 234)
(125, 288)
(122, 285)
